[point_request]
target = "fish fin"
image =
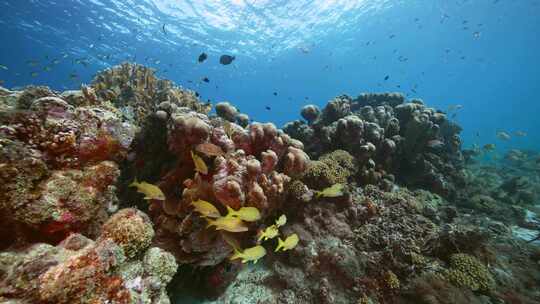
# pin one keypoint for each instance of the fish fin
(210, 223)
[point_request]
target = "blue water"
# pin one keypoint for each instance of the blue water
(482, 54)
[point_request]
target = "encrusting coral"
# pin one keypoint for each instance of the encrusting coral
(83, 271)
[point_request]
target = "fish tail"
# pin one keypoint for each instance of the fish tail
(237, 255)
(230, 211)
(210, 223)
(134, 183)
(280, 244)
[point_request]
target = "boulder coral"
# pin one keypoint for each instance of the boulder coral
(392, 139)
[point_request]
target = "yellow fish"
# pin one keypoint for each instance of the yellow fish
(206, 209)
(231, 224)
(229, 129)
(200, 165)
(333, 191)
(248, 214)
(269, 233)
(282, 220)
(250, 254)
(290, 242)
(151, 192)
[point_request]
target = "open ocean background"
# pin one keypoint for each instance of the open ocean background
(481, 54)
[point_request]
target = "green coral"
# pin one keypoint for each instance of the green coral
(341, 158)
(467, 271)
(391, 279)
(330, 169)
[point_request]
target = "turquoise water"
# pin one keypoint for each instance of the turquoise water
(479, 54)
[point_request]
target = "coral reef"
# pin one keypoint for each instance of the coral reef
(83, 271)
(390, 209)
(391, 139)
(246, 167)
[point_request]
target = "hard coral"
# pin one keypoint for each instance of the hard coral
(83, 271)
(467, 271)
(131, 229)
(246, 167)
(416, 145)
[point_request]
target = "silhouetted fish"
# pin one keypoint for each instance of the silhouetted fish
(205, 79)
(275, 93)
(226, 59)
(386, 77)
(268, 108)
(202, 57)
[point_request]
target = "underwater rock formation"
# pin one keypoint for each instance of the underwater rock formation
(391, 139)
(58, 164)
(116, 268)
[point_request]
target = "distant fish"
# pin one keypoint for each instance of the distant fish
(454, 107)
(205, 79)
(3, 67)
(56, 61)
(489, 147)
(268, 108)
(275, 93)
(32, 63)
(520, 133)
(164, 30)
(34, 74)
(503, 135)
(47, 69)
(226, 59)
(435, 144)
(476, 35)
(304, 49)
(392, 36)
(386, 77)
(73, 76)
(202, 57)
